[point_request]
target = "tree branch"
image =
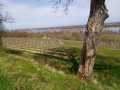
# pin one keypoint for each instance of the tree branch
(63, 3)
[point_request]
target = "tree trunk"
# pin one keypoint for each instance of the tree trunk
(1, 33)
(98, 14)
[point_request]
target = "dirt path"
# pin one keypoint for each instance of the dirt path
(33, 51)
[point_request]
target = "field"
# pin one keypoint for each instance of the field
(110, 40)
(38, 64)
(36, 44)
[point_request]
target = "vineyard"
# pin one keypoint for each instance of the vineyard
(35, 44)
(41, 41)
(110, 40)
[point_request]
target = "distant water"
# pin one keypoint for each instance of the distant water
(112, 28)
(71, 30)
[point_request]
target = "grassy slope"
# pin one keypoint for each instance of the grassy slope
(55, 71)
(19, 73)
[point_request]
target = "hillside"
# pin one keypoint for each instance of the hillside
(25, 70)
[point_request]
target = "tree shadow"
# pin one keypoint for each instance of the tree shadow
(60, 58)
(67, 59)
(108, 69)
(16, 52)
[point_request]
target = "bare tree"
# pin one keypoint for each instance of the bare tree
(98, 14)
(1, 24)
(4, 17)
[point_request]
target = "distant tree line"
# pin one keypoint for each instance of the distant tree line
(67, 35)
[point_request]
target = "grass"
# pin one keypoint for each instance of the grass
(55, 69)
(22, 74)
(110, 40)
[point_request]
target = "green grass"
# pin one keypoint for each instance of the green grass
(22, 74)
(55, 70)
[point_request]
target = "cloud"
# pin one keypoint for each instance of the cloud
(27, 16)
(34, 15)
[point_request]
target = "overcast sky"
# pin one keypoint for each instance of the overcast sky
(39, 13)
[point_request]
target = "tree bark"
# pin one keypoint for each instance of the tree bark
(1, 33)
(98, 14)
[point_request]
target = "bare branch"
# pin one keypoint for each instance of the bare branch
(4, 17)
(63, 3)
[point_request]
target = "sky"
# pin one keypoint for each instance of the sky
(39, 13)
